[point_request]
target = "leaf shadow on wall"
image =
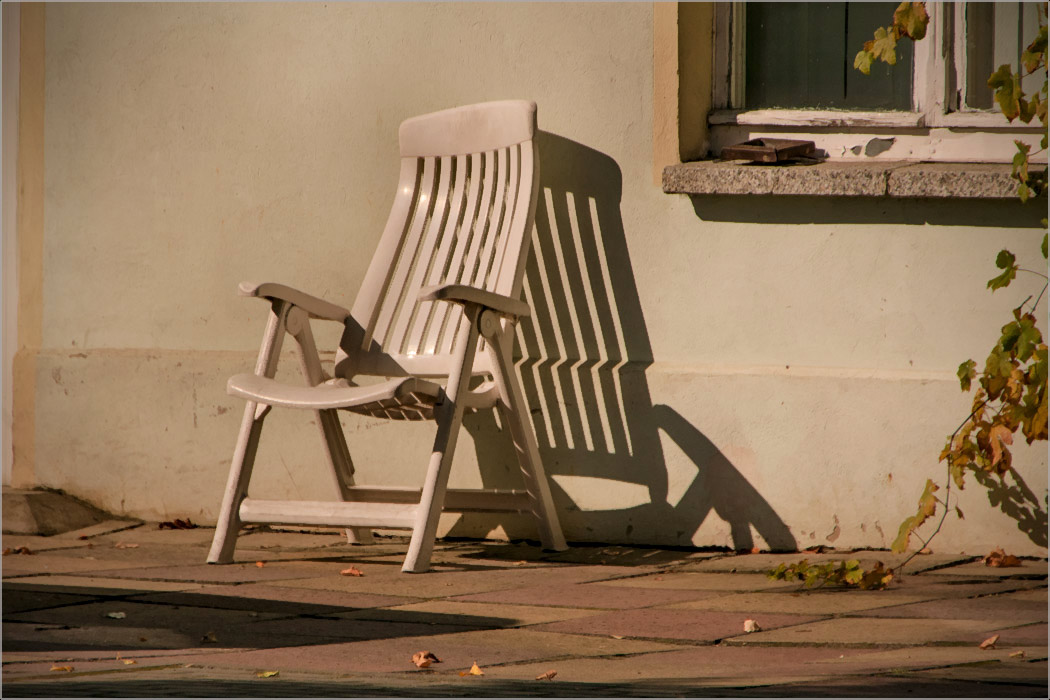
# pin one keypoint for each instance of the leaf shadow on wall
(583, 360)
(1018, 502)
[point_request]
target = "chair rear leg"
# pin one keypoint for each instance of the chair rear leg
(514, 412)
(229, 525)
(342, 467)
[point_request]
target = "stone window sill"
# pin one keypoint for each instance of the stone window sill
(844, 179)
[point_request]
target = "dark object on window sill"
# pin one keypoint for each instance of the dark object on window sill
(769, 150)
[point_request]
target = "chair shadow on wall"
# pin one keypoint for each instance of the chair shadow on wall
(583, 360)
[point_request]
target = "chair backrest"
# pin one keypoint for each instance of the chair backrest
(463, 214)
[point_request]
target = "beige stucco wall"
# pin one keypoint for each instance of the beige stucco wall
(751, 370)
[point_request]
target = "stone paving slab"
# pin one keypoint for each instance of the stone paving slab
(150, 533)
(1003, 607)
(37, 543)
(389, 580)
(800, 603)
(703, 665)
(691, 625)
(765, 561)
(587, 595)
(226, 573)
(96, 586)
(457, 652)
(515, 615)
(705, 582)
(868, 631)
(1028, 569)
(920, 657)
(40, 600)
(1016, 672)
(106, 527)
(265, 597)
(60, 564)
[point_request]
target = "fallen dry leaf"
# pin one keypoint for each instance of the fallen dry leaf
(126, 545)
(352, 571)
(925, 550)
(117, 615)
(143, 639)
(128, 662)
(18, 550)
(616, 636)
(998, 557)
(755, 550)
(209, 638)
(260, 564)
(1018, 654)
(990, 642)
(474, 671)
(520, 563)
(268, 674)
(423, 659)
(751, 626)
(548, 676)
(65, 669)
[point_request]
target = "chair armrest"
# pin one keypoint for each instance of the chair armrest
(462, 294)
(314, 307)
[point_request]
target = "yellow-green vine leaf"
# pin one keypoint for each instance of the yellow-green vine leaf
(884, 47)
(1044, 240)
(1005, 262)
(863, 61)
(1007, 88)
(967, 371)
(911, 19)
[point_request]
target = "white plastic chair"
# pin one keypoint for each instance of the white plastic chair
(437, 307)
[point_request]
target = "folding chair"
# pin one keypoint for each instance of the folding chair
(437, 307)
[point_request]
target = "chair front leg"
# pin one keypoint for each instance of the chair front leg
(449, 417)
(336, 452)
(229, 524)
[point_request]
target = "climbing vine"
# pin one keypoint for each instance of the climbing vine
(1011, 385)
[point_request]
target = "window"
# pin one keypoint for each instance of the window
(786, 70)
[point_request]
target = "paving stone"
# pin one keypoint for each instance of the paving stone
(705, 582)
(106, 527)
(112, 665)
(692, 625)
(513, 615)
(919, 657)
(763, 562)
(1034, 594)
(587, 595)
(226, 573)
(1034, 674)
(277, 599)
(45, 563)
(145, 626)
(97, 586)
(150, 533)
(37, 543)
(707, 665)
(1028, 569)
(867, 631)
(995, 607)
(389, 580)
(801, 603)
(457, 652)
(16, 601)
(341, 628)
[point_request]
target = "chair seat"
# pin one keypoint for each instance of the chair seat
(400, 398)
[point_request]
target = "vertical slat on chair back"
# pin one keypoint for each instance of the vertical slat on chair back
(463, 214)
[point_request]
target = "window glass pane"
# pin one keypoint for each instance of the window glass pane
(997, 33)
(800, 55)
